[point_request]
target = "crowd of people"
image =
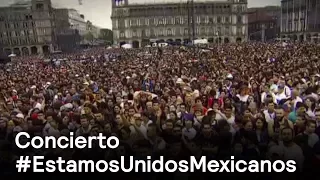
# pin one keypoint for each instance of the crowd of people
(253, 101)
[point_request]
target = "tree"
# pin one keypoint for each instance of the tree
(89, 36)
(107, 35)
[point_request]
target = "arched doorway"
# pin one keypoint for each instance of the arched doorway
(145, 42)
(315, 38)
(45, 49)
(25, 51)
(170, 41)
(17, 51)
(34, 50)
(186, 41)
(301, 38)
(122, 43)
(308, 37)
(239, 40)
(178, 41)
(135, 44)
(295, 37)
(226, 40)
(210, 40)
(219, 40)
(7, 51)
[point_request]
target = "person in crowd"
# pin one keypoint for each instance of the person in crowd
(229, 100)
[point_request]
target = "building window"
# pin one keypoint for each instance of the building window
(186, 31)
(239, 19)
(133, 22)
(290, 26)
(227, 30)
(302, 25)
(239, 31)
(197, 31)
(161, 32)
(227, 19)
(218, 19)
(296, 28)
(39, 6)
(218, 31)
(161, 21)
(203, 20)
(152, 32)
(202, 31)
(169, 32)
(122, 35)
(142, 22)
(134, 33)
(302, 14)
(210, 20)
(151, 21)
(177, 21)
(147, 33)
(211, 30)
(185, 21)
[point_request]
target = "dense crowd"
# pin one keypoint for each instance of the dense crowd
(253, 101)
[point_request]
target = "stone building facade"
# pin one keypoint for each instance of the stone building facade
(264, 23)
(300, 20)
(218, 21)
(27, 28)
(70, 19)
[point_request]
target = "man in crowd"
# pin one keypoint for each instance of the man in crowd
(212, 103)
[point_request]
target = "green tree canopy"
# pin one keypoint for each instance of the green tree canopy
(106, 34)
(89, 36)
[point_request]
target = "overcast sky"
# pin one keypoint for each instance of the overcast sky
(99, 11)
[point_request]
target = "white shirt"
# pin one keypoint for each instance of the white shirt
(310, 113)
(268, 116)
(298, 99)
(38, 106)
(146, 125)
(264, 96)
(280, 96)
(243, 98)
(287, 91)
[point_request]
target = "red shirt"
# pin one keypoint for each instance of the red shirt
(204, 109)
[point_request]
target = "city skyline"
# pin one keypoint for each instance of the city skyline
(99, 11)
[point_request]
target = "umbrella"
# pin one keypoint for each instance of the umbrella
(12, 55)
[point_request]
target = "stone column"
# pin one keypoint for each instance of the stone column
(40, 50)
(29, 50)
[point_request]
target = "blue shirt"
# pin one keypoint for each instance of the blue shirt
(293, 117)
